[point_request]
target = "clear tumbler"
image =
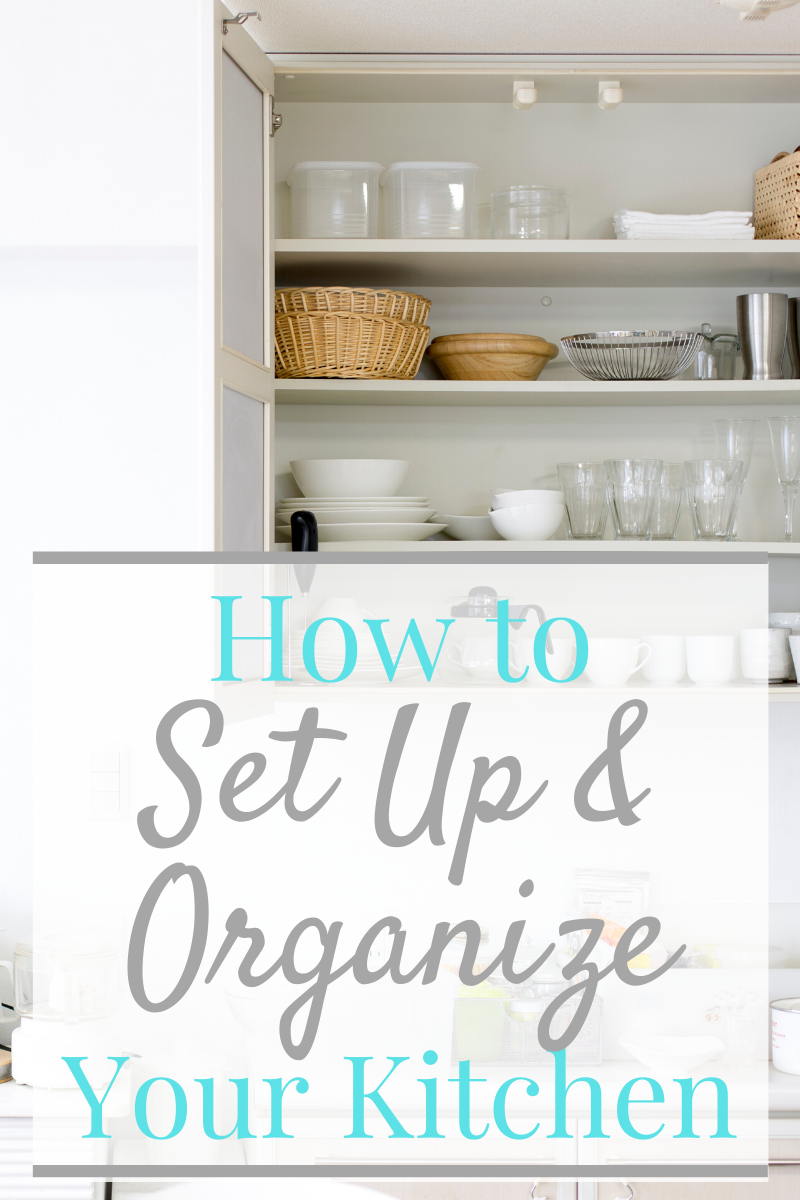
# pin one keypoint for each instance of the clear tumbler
(713, 488)
(631, 484)
(584, 488)
(667, 504)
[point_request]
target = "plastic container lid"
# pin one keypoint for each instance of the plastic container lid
(521, 190)
(333, 166)
(429, 166)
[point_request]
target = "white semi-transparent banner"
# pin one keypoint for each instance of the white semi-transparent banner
(399, 869)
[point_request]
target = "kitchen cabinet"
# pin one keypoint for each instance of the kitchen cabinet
(464, 439)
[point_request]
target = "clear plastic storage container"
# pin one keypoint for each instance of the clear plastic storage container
(334, 199)
(431, 199)
(529, 211)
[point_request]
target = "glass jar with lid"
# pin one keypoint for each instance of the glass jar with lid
(528, 210)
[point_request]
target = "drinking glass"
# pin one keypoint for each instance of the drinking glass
(667, 503)
(631, 484)
(584, 488)
(735, 441)
(785, 435)
(713, 486)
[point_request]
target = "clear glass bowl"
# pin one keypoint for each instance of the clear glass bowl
(530, 211)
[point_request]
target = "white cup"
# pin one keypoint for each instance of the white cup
(477, 655)
(667, 661)
(709, 659)
(794, 647)
(612, 661)
(765, 654)
(559, 663)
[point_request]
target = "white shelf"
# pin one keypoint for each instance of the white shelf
(544, 392)
(487, 263)
(609, 547)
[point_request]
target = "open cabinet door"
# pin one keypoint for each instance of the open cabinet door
(244, 376)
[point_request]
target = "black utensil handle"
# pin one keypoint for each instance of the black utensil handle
(305, 535)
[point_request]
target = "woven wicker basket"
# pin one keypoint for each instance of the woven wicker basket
(345, 345)
(401, 306)
(777, 201)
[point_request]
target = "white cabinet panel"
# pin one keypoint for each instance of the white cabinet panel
(242, 212)
(242, 472)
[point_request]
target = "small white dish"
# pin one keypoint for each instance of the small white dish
(469, 528)
(528, 522)
(507, 499)
(374, 531)
(671, 1055)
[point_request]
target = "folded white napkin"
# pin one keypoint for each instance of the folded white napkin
(672, 226)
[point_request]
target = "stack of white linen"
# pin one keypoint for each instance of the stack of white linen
(733, 225)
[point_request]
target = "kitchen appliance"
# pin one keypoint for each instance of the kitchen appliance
(65, 991)
(762, 320)
(519, 357)
(631, 354)
(713, 489)
(784, 434)
(585, 497)
(530, 211)
(334, 199)
(631, 485)
(785, 1023)
(430, 199)
(667, 503)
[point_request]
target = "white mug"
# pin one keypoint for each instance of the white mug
(612, 661)
(559, 663)
(765, 654)
(478, 655)
(709, 659)
(667, 661)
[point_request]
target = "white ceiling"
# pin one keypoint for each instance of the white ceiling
(518, 27)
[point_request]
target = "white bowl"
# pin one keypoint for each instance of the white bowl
(349, 476)
(506, 499)
(528, 522)
(675, 1055)
(469, 528)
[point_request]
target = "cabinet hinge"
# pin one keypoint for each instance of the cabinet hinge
(275, 119)
(239, 19)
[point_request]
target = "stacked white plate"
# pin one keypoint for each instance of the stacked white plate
(362, 518)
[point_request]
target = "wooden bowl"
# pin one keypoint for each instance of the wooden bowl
(514, 356)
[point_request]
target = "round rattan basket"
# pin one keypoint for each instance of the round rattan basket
(345, 345)
(400, 306)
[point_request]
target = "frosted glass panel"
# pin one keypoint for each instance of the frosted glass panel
(242, 212)
(242, 472)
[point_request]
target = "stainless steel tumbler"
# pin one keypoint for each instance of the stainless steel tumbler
(762, 319)
(793, 338)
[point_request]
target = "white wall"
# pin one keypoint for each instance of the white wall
(107, 430)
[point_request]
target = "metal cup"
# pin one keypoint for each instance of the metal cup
(762, 320)
(793, 338)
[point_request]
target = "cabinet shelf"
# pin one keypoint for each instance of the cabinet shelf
(619, 550)
(487, 263)
(543, 393)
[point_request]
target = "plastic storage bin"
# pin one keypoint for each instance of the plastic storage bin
(530, 211)
(334, 199)
(430, 199)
